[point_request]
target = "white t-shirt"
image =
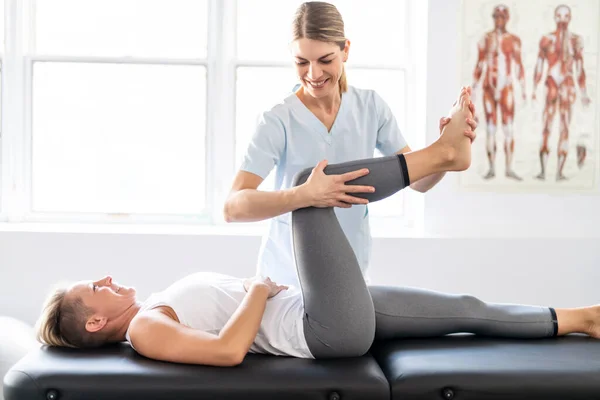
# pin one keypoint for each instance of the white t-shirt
(206, 300)
(290, 138)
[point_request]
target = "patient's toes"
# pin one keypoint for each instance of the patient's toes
(466, 100)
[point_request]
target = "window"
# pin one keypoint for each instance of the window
(115, 106)
(141, 111)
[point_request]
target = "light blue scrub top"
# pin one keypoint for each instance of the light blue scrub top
(290, 137)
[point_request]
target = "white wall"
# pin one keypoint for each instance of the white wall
(555, 259)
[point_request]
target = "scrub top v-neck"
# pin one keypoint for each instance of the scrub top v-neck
(312, 120)
(291, 138)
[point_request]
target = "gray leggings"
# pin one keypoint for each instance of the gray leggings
(343, 315)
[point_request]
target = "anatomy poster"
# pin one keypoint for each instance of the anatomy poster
(534, 66)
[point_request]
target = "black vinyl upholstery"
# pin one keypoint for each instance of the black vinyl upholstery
(118, 372)
(467, 367)
(456, 367)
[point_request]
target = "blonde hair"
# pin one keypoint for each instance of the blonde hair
(318, 20)
(62, 322)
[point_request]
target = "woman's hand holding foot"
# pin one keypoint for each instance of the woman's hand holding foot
(454, 142)
(471, 122)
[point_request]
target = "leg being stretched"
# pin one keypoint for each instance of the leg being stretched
(339, 318)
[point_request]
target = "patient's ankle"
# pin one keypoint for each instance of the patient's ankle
(445, 155)
(449, 155)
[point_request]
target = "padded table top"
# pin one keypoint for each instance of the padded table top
(464, 367)
(118, 372)
(456, 367)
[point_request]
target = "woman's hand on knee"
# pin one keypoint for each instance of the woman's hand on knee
(331, 190)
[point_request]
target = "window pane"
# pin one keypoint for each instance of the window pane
(254, 97)
(264, 35)
(119, 138)
(142, 28)
(390, 85)
(376, 32)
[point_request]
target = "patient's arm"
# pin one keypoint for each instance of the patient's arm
(158, 336)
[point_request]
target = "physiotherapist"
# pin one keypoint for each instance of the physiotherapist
(324, 121)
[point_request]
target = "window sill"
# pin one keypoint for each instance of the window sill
(379, 230)
(135, 229)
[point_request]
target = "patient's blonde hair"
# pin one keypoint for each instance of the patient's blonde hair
(62, 322)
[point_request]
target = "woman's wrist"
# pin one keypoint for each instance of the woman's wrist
(258, 285)
(300, 196)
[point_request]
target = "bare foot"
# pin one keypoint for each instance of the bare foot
(541, 176)
(593, 323)
(457, 147)
(561, 177)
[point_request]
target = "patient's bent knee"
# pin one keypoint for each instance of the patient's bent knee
(301, 177)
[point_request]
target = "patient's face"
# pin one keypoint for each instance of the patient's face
(105, 296)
